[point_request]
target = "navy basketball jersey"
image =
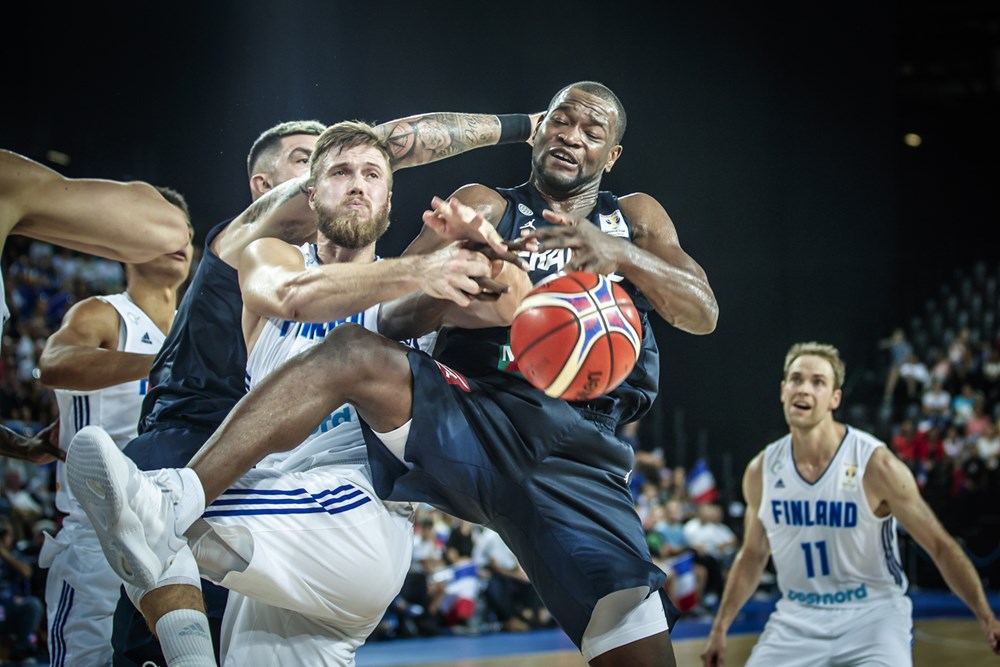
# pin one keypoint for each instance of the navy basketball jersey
(485, 351)
(198, 375)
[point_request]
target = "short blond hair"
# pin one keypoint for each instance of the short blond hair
(821, 350)
(349, 134)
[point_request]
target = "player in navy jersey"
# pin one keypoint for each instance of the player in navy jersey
(478, 441)
(823, 502)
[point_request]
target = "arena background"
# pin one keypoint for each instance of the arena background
(772, 133)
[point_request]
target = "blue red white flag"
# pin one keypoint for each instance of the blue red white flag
(701, 484)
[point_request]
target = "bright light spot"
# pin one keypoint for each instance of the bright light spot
(57, 157)
(912, 139)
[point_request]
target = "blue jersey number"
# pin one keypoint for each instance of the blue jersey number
(824, 562)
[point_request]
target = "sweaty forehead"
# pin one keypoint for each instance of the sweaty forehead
(597, 109)
(356, 155)
(810, 365)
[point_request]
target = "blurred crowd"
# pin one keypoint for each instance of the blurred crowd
(940, 412)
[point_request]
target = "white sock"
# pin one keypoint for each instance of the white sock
(191, 502)
(185, 639)
(395, 441)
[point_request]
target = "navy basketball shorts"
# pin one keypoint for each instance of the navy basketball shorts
(547, 477)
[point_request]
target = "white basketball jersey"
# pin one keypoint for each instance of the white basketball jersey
(829, 549)
(116, 408)
(338, 438)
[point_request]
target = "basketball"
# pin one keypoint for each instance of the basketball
(576, 335)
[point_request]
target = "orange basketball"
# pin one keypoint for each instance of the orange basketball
(576, 335)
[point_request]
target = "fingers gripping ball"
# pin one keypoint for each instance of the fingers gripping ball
(576, 336)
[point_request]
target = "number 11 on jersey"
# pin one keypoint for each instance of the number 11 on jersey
(824, 561)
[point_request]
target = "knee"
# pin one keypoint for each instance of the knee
(359, 352)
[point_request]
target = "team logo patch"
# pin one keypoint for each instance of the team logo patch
(146, 339)
(525, 210)
(132, 317)
(849, 477)
(453, 377)
(614, 224)
(780, 484)
(530, 225)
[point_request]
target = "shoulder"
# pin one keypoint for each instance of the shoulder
(648, 217)
(486, 200)
(886, 473)
(270, 250)
(90, 309)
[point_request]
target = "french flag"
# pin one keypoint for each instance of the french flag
(461, 590)
(684, 593)
(701, 484)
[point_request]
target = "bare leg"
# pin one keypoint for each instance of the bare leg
(159, 601)
(352, 365)
(654, 651)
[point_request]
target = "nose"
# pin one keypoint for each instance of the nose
(570, 136)
(357, 183)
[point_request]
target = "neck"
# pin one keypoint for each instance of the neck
(330, 253)
(817, 444)
(157, 301)
(577, 205)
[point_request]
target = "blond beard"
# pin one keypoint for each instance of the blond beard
(351, 230)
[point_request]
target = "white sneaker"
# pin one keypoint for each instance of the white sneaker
(132, 511)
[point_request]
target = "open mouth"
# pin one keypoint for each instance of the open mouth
(563, 156)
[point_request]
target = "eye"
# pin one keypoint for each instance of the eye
(303, 160)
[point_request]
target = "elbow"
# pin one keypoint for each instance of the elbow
(289, 304)
(50, 374)
(700, 323)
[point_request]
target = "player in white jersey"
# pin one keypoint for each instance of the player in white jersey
(128, 222)
(823, 503)
(322, 598)
(97, 363)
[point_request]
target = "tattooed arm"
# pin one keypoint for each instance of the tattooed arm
(425, 138)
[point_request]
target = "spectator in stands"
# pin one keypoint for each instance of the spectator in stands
(910, 444)
(21, 612)
(461, 540)
(714, 544)
(988, 447)
(979, 421)
(936, 404)
(915, 377)
(962, 404)
(509, 596)
(899, 349)
(940, 367)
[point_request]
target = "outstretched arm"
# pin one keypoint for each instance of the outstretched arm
(746, 571)
(430, 137)
(127, 222)
(654, 262)
(888, 478)
(275, 282)
(41, 448)
(82, 354)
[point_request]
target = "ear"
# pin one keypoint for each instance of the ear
(781, 392)
(311, 197)
(259, 185)
(835, 400)
(616, 153)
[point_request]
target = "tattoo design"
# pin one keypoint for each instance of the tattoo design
(440, 135)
